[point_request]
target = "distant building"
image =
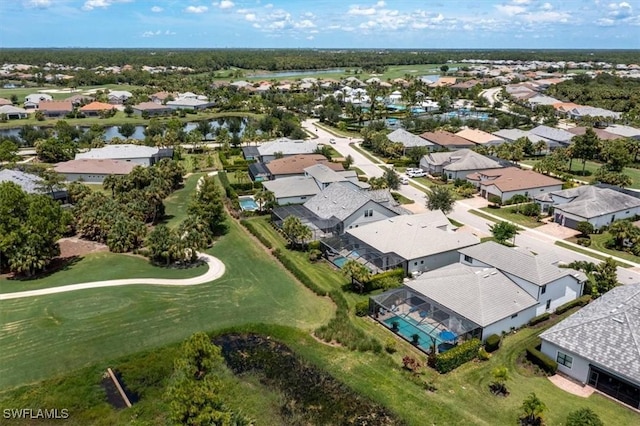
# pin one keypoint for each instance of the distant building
(139, 154)
(31, 183)
(93, 170)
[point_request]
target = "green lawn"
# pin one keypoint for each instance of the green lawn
(592, 167)
(599, 242)
(50, 335)
(506, 214)
(97, 267)
(176, 203)
(588, 253)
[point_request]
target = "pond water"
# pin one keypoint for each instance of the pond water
(294, 73)
(111, 132)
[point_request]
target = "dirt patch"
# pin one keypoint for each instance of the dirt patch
(73, 246)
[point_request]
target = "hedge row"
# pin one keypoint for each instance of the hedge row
(402, 162)
(541, 360)
(246, 186)
(229, 191)
(252, 228)
(457, 356)
(397, 273)
(580, 301)
(298, 273)
(539, 318)
(492, 343)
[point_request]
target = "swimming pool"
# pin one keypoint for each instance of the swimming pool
(407, 327)
(340, 261)
(248, 203)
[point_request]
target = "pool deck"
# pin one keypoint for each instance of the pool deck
(570, 386)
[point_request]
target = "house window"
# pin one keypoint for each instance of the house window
(422, 262)
(544, 289)
(514, 315)
(564, 359)
(368, 213)
(468, 259)
(415, 263)
(548, 304)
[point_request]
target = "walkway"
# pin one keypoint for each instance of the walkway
(571, 386)
(215, 270)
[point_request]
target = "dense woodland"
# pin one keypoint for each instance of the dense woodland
(289, 59)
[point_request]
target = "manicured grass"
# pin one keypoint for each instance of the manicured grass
(401, 198)
(98, 267)
(49, 335)
(366, 153)
(517, 218)
(176, 204)
(599, 242)
(455, 222)
(337, 132)
(592, 167)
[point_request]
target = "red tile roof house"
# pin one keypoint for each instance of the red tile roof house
(510, 181)
(95, 109)
(447, 140)
(53, 109)
(93, 170)
(152, 109)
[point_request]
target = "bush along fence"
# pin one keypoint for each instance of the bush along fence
(252, 229)
(541, 360)
(455, 357)
(580, 301)
(492, 343)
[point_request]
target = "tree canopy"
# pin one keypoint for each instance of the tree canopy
(440, 198)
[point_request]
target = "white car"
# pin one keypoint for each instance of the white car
(404, 180)
(417, 173)
(332, 141)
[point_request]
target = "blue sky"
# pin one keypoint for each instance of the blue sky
(596, 24)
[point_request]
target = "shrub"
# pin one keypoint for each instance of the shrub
(539, 319)
(494, 199)
(246, 186)
(453, 358)
(297, 272)
(411, 364)
(377, 281)
(517, 199)
(585, 242)
(580, 301)
(585, 227)
(362, 308)
(492, 343)
(483, 355)
(314, 245)
(541, 360)
(314, 255)
(583, 417)
(390, 345)
(530, 210)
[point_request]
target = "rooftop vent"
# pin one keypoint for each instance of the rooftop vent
(618, 320)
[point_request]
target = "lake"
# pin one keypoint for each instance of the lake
(294, 73)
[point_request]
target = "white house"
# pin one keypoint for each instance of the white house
(284, 147)
(33, 100)
(510, 181)
(599, 344)
(139, 154)
(457, 164)
(118, 97)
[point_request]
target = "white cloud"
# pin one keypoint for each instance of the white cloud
(156, 33)
(305, 23)
(196, 9)
(40, 4)
(93, 4)
(359, 11)
(156, 9)
(620, 10)
(511, 10)
(310, 37)
(226, 4)
(521, 1)
(546, 6)
(251, 17)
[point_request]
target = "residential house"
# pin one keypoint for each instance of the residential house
(190, 104)
(295, 165)
(580, 112)
(490, 290)
(151, 109)
(457, 164)
(480, 137)
(96, 109)
(138, 154)
(557, 137)
(589, 203)
(32, 101)
(4, 102)
(161, 97)
(250, 153)
(512, 135)
(603, 135)
(93, 171)
(283, 147)
(118, 97)
(447, 140)
(510, 181)
(415, 243)
(624, 131)
(409, 140)
(258, 172)
(55, 109)
(79, 100)
(13, 113)
(31, 184)
(599, 345)
(339, 207)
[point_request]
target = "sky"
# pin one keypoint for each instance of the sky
(410, 24)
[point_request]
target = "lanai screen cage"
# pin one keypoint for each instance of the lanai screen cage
(420, 320)
(320, 227)
(341, 248)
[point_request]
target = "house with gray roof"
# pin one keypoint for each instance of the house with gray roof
(624, 131)
(284, 147)
(409, 140)
(338, 207)
(538, 275)
(139, 154)
(31, 183)
(599, 345)
(457, 164)
(558, 136)
(13, 113)
(590, 203)
(416, 243)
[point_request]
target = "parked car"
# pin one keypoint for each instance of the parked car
(332, 141)
(417, 173)
(404, 180)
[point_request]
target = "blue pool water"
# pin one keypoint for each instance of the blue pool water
(340, 261)
(248, 204)
(407, 327)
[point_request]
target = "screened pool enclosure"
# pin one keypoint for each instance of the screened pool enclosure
(420, 320)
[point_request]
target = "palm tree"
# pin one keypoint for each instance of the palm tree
(264, 199)
(621, 231)
(357, 272)
(532, 408)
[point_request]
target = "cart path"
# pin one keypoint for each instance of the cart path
(215, 270)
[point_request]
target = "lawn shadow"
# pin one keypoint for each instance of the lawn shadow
(58, 264)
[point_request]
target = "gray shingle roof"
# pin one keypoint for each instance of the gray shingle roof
(294, 186)
(553, 134)
(413, 236)
(324, 174)
(28, 182)
(463, 159)
(590, 201)
(287, 147)
(339, 200)
(536, 269)
(606, 332)
(117, 152)
(482, 295)
(408, 140)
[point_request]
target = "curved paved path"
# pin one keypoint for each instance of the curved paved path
(215, 271)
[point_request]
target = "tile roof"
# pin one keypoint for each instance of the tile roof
(55, 106)
(514, 179)
(287, 147)
(602, 134)
(413, 236)
(552, 133)
(106, 167)
(605, 332)
(408, 140)
(28, 182)
(296, 164)
(624, 131)
(324, 174)
(10, 109)
(446, 139)
(150, 106)
(481, 295)
(464, 159)
(589, 201)
(4, 101)
(536, 269)
(97, 106)
(117, 152)
(478, 136)
(294, 186)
